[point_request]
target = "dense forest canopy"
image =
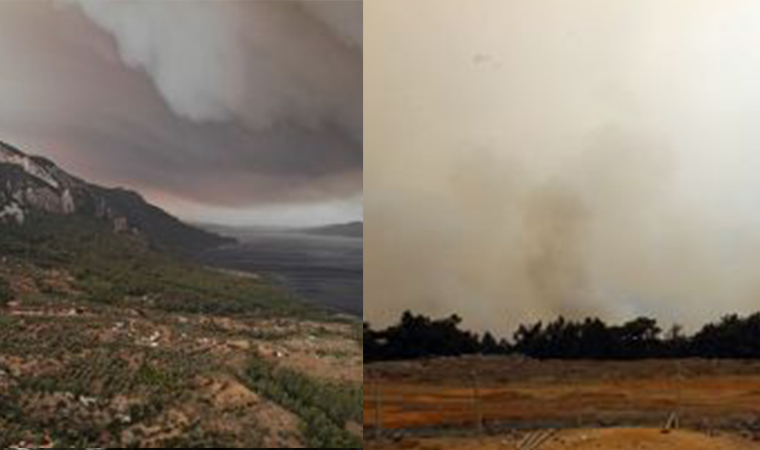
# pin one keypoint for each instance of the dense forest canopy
(417, 336)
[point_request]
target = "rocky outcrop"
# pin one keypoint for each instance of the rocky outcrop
(31, 185)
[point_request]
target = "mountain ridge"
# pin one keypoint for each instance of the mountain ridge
(34, 185)
(350, 229)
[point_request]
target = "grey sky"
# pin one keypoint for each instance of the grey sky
(229, 111)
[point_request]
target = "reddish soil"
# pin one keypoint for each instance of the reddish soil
(523, 393)
(607, 439)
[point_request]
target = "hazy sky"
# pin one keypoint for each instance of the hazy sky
(223, 111)
(529, 158)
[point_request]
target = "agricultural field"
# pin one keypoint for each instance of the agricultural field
(105, 343)
(657, 404)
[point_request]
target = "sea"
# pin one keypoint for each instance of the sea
(326, 270)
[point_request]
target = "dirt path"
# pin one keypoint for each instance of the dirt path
(607, 439)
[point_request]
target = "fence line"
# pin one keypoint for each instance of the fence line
(458, 405)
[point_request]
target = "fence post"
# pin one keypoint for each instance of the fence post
(378, 408)
(679, 381)
(477, 403)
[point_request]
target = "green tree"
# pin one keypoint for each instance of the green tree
(489, 346)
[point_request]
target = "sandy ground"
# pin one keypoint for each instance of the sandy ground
(607, 439)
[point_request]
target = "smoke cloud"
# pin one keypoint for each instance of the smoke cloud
(209, 108)
(346, 19)
(265, 62)
(529, 159)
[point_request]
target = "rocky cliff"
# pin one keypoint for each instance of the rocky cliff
(34, 186)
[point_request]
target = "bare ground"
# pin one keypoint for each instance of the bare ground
(432, 397)
(606, 439)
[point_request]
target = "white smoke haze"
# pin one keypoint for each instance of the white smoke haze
(205, 106)
(263, 61)
(345, 18)
(534, 158)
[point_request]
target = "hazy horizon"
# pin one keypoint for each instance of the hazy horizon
(535, 158)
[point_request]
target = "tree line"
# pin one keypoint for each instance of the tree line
(418, 337)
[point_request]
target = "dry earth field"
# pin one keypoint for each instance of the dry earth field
(608, 439)
(598, 405)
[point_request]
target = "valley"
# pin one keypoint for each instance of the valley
(107, 343)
